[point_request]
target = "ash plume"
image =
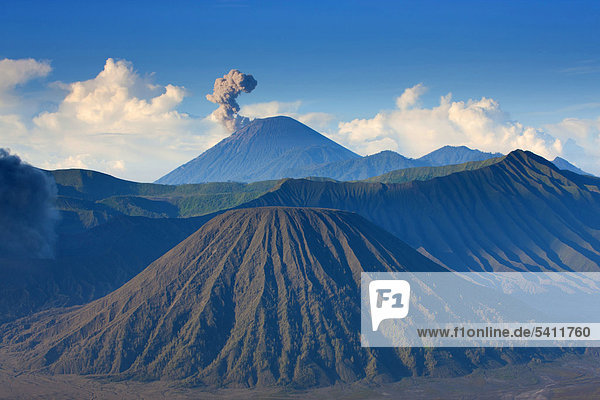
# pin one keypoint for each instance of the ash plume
(225, 93)
(27, 209)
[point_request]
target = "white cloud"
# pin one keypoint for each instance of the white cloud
(316, 120)
(85, 161)
(126, 124)
(18, 72)
(410, 96)
(270, 109)
(12, 126)
(109, 104)
(413, 130)
(117, 122)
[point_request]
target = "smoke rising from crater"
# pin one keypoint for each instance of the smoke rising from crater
(27, 209)
(225, 93)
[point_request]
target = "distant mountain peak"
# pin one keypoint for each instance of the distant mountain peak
(450, 155)
(278, 119)
(520, 154)
(265, 149)
(385, 152)
(462, 147)
(566, 165)
(531, 164)
(364, 167)
(529, 159)
(279, 125)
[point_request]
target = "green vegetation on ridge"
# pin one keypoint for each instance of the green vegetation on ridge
(97, 196)
(426, 173)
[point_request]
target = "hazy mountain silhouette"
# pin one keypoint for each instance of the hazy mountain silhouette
(281, 147)
(269, 148)
(364, 167)
(388, 161)
(255, 297)
(561, 163)
(521, 213)
(449, 155)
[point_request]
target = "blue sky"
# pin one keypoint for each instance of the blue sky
(539, 60)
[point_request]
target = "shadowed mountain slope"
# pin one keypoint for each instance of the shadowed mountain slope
(255, 297)
(269, 148)
(521, 213)
(88, 264)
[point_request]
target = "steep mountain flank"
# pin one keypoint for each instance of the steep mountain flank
(521, 213)
(269, 148)
(255, 297)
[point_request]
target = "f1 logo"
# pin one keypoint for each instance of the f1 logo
(389, 300)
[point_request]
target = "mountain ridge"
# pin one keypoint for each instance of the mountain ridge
(426, 173)
(281, 147)
(522, 213)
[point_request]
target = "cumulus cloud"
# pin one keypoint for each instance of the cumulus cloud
(225, 92)
(118, 122)
(17, 72)
(316, 120)
(128, 125)
(270, 109)
(12, 124)
(410, 96)
(88, 161)
(108, 103)
(27, 211)
(414, 130)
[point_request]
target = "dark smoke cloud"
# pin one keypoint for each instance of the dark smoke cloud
(27, 210)
(226, 90)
